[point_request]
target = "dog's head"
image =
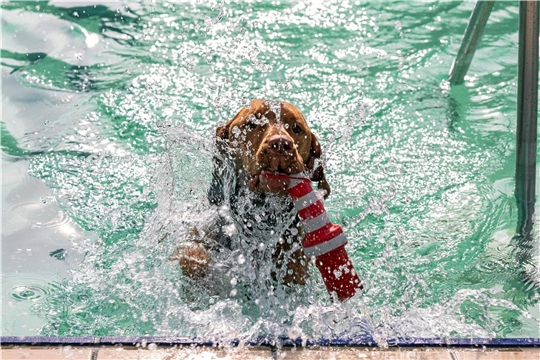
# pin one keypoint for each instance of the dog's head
(272, 136)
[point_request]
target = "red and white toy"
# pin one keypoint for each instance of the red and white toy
(324, 240)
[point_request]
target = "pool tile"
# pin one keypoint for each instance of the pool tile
(196, 353)
(45, 353)
(345, 353)
(497, 354)
(262, 353)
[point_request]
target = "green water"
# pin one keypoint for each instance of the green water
(107, 122)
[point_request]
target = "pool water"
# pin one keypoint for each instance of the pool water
(108, 115)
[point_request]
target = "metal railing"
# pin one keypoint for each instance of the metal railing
(527, 106)
(473, 33)
(527, 117)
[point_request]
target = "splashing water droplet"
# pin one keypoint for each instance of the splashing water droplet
(230, 229)
(294, 332)
(241, 259)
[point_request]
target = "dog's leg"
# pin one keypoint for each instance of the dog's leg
(193, 256)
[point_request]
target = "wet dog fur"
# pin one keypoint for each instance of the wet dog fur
(264, 136)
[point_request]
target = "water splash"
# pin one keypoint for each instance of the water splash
(413, 166)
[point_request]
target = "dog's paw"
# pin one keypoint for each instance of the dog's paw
(193, 260)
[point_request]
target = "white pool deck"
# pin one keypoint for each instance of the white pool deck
(12, 352)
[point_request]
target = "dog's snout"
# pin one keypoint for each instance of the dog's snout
(279, 143)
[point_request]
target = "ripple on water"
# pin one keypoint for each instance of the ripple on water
(30, 287)
(20, 294)
(41, 213)
(28, 293)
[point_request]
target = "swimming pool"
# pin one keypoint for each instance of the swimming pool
(108, 112)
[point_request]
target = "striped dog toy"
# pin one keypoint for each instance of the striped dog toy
(324, 240)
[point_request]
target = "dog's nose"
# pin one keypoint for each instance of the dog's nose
(279, 143)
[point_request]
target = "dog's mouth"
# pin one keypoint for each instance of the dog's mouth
(283, 163)
(274, 184)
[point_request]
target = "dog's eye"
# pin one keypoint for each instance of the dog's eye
(296, 129)
(251, 125)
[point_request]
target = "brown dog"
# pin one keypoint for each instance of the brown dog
(265, 136)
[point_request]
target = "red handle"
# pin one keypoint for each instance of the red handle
(325, 240)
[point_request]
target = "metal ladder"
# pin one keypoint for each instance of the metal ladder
(527, 106)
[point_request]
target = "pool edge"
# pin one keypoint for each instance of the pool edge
(267, 342)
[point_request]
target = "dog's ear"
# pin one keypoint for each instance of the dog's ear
(216, 195)
(315, 166)
(222, 135)
(222, 132)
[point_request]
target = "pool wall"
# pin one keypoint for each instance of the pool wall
(185, 341)
(152, 347)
